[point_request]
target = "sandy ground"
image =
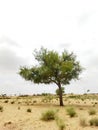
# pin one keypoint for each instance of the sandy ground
(16, 117)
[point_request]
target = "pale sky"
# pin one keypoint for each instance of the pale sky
(26, 25)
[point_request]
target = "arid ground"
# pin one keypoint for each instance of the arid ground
(14, 113)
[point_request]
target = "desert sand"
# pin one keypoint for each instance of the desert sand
(15, 116)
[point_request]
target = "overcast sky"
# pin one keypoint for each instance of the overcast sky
(26, 25)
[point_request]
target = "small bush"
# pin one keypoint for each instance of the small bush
(58, 91)
(28, 110)
(19, 102)
(44, 94)
(6, 101)
(60, 124)
(94, 121)
(47, 98)
(34, 101)
(1, 109)
(48, 115)
(81, 108)
(71, 112)
(18, 108)
(92, 112)
(7, 123)
(12, 102)
(83, 122)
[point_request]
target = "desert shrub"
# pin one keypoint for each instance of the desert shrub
(94, 105)
(34, 101)
(81, 108)
(18, 108)
(48, 115)
(60, 124)
(58, 91)
(12, 102)
(43, 100)
(6, 101)
(94, 121)
(1, 109)
(83, 122)
(29, 110)
(82, 99)
(7, 123)
(44, 94)
(47, 98)
(71, 112)
(92, 112)
(69, 102)
(65, 99)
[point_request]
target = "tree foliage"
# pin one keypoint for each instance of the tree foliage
(52, 68)
(58, 91)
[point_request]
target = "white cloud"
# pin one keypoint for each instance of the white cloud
(26, 25)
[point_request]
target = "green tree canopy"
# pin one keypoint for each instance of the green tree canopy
(52, 68)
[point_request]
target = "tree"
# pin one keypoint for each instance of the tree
(88, 91)
(52, 68)
(58, 91)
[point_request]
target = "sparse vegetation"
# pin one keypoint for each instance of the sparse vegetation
(29, 110)
(58, 91)
(18, 108)
(12, 102)
(34, 101)
(83, 122)
(71, 112)
(47, 98)
(60, 124)
(7, 123)
(81, 108)
(48, 115)
(6, 101)
(92, 112)
(58, 119)
(1, 108)
(94, 122)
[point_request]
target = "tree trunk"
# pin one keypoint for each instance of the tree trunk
(60, 95)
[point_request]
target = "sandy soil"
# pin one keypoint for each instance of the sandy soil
(15, 116)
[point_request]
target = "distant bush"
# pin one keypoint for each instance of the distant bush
(81, 108)
(60, 124)
(19, 102)
(29, 110)
(92, 112)
(94, 105)
(45, 94)
(94, 122)
(47, 98)
(12, 102)
(6, 101)
(58, 91)
(1, 109)
(83, 122)
(23, 95)
(7, 123)
(34, 101)
(71, 112)
(18, 108)
(48, 115)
